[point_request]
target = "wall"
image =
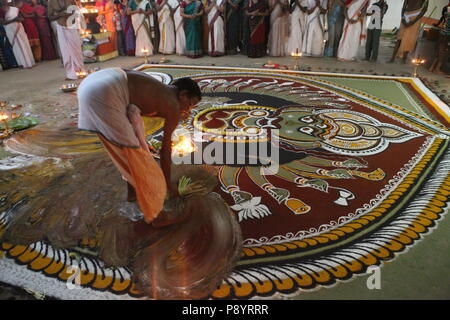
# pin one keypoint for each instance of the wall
(392, 17)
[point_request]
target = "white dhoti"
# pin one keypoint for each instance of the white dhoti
(70, 47)
(104, 108)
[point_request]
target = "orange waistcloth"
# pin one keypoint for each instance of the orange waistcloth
(140, 169)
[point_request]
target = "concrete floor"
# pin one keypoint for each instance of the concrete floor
(420, 273)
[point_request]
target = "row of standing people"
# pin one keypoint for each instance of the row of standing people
(217, 27)
(25, 34)
(333, 28)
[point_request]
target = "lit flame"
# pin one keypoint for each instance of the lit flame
(296, 54)
(418, 61)
(183, 146)
(3, 116)
(145, 51)
(81, 74)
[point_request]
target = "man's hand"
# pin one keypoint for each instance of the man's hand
(186, 188)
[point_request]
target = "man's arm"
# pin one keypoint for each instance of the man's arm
(170, 124)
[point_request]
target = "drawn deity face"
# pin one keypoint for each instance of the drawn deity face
(296, 125)
(293, 124)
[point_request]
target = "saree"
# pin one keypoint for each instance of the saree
(18, 39)
(141, 28)
(180, 36)
(153, 26)
(7, 59)
(278, 34)
(336, 21)
(193, 30)
(216, 38)
(296, 29)
(232, 26)
(31, 31)
(45, 33)
(353, 32)
(257, 45)
(166, 30)
(314, 34)
(244, 28)
(128, 31)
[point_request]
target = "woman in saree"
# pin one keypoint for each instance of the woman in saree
(17, 36)
(278, 35)
(27, 13)
(166, 27)
(45, 33)
(137, 9)
(314, 34)
(297, 26)
(192, 11)
(216, 38)
(257, 11)
(127, 28)
(232, 26)
(354, 30)
(180, 36)
(244, 34)
(7, 59)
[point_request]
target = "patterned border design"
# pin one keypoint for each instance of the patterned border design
(392, 236)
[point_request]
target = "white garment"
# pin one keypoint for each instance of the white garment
(54, 24)
(352, 33)
(167, 31)
(278, 35)
(70, 47)
(180, 36)
(142, 37)
(296, 31)
(216, 37)
(314, 33)
(18, 39)
(103, 99)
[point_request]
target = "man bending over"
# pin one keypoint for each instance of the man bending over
(111, 103)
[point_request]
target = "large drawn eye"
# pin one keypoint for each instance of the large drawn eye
(307, 119)
(307, 130)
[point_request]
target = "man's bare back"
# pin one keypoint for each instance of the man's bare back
(153, 97)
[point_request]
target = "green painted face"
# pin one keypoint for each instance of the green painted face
(304, 126)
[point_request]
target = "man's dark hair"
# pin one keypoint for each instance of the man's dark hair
(192, 88)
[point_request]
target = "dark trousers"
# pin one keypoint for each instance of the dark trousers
(121, 43)
(372, 44)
